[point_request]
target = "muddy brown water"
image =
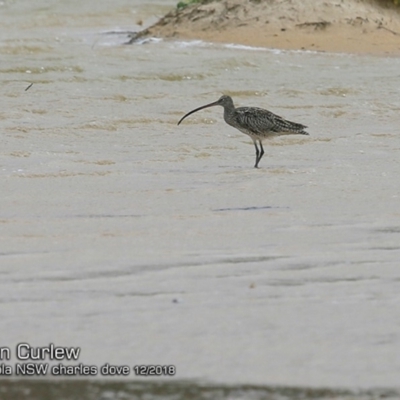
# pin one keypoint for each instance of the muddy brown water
(145, 243)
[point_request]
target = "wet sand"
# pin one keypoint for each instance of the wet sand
(352, 27)
(177, 390)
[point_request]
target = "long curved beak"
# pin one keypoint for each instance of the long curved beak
(215, 103)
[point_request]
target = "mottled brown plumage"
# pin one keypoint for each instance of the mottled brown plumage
(256, 122)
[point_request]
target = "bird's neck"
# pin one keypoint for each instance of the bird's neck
(228, 112)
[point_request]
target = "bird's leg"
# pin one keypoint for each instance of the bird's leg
(262, 151)
(257, 154)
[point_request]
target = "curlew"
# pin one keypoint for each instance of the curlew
(255, 122)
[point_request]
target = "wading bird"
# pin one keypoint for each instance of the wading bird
(256, 122)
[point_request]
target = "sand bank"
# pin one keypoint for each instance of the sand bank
(335, 26)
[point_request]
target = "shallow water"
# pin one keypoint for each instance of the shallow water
(143, 242)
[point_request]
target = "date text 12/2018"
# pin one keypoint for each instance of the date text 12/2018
(154, 370)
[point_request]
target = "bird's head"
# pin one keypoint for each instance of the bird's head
(224, 101)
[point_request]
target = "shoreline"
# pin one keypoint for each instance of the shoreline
(354, 27)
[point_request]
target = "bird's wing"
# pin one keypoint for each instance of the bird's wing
(258, 120)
